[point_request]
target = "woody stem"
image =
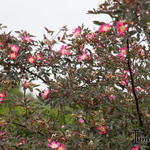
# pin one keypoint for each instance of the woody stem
(133, 87)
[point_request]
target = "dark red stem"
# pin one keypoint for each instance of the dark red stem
(133, 87)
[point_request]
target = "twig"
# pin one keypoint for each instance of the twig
(133, 87)
(23, 126)
(34, 74)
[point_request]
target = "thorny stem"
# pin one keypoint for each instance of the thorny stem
(133, 87)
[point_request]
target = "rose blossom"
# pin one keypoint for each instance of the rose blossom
(12, 55)
(121, 28)
(76, 32)
(53, 145)
(65, 50)
(14, 48)
(62, 147)
(31, 59)
(27, 38)
(45, 93)
(105, 28)
(137, 147)
(81, 120)
(122, 53)
(2, 96)
(83, 56)
(102, 129)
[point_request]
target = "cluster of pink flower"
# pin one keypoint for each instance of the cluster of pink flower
(56, 145)
(65, 50)
(15, 50)
(123, 77)
(122, 53)
(102, 129)
(2, 97)
(38, 57)
(121, 28)
(32, 59)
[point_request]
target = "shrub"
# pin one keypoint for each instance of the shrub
(98, 83)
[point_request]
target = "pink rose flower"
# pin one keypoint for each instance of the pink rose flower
(31, 59)
(91, 36)
(45, 93)
(84, 56)
(121, 28)
(102, 129)
(14, 48)
(105, 28)
(81, 120)
(112, 97)
(12, 55)
(77, 32)
(65, 50)
(39, 56)
(23, 141)
(122, 53)
(53, 145)
(142, 52)
(123, 82)
(2, 97)
(62, 147)
(137, 147)
(27, 38)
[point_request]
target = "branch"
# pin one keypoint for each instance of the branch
(23, 126)
(35, 74)
(133, 87)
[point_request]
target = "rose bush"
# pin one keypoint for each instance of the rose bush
(98, 83)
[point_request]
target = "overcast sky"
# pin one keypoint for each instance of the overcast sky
(33, 15)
